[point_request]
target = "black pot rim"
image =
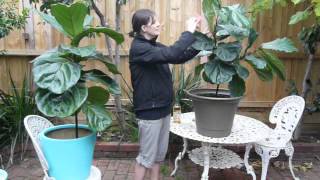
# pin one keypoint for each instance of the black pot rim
(192, 94)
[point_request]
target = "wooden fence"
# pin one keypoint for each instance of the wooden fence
(23, 46)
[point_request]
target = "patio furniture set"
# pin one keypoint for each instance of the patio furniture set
(267, 142)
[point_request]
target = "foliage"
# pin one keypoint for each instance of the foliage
(59, 73)
(10, 17)
(13, 108)
(230, 27)
(184, 81)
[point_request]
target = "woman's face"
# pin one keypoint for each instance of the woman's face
(153, 28)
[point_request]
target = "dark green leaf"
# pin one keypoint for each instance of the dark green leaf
(99, 118)
(98, 95)
(53, 22)
(242, 71)
(237, 32)
(203, 42)
(228, 51)
(218, 72)
(55, 73)
(71, 18)
(299, 16)
(238, 16)
(283, 44)
(61, 105)
(265, 74)
(237, 86)
(79, 51)
(253, 35)
(274, 63)
(107, 31)
(100, 77)
(256, 63)
(210, 8)
(106, 61)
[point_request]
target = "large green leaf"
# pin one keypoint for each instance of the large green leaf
(237, 86)
(53, 22)
(203, 42)
(99, 118)
(256, 63)
(71, 18)
(242, 71)
(299, 16)
(253, 35)
(55, 73)
(98, 95)
(283, 44)
(100, 77)
(118, 37)
(274, 63)
(218, 72)
(61, 105)
(106, 61)
(228, 51)
(210, 8)
(84, 52)
(237, 32)
(238, 16)
(265, 74)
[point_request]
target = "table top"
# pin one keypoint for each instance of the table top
(244, 130)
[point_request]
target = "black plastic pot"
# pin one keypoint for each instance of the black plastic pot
(214, 115)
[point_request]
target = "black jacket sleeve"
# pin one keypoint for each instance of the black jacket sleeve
(179, 52)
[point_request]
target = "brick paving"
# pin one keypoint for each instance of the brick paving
(123, 169)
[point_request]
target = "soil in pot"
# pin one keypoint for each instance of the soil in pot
(67, 133)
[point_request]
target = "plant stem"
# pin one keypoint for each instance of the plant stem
(76, 121)
(217, 90)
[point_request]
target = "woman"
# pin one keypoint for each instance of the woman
(152, 86)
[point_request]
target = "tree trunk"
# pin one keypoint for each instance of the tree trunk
(306, 88)
(116, 60)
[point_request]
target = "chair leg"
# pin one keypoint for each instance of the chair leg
(266, 154)
(289, 150)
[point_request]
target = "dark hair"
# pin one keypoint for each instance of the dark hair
(141, 17)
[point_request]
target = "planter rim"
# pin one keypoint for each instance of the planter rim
(43, 136)
(191, 93)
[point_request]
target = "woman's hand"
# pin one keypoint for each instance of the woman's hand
(192, 23)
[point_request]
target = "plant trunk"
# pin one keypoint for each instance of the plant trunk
(116, 60)
(306, 87)
(77, 126)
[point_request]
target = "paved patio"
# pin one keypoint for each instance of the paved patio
(123, 169)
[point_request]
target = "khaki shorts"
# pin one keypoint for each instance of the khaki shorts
(153, 140)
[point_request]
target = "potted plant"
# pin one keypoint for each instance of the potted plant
(63, 91)
(230, 41)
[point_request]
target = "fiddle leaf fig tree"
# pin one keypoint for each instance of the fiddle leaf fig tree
(230, 41)
(59, 73)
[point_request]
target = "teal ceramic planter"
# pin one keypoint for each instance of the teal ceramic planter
(3, 175)
(68, 159)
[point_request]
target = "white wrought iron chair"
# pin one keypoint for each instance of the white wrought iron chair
(34, 125)
(286, 114)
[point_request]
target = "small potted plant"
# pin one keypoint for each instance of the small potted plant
(229, 42)
(62, 91)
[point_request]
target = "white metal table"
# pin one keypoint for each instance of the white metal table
(245, 130)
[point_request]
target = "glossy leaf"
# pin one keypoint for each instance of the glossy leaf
(203, 42)
(106, 61)
(210, 8)
(265, 74)
(228, 51)
(118, 37)
(299, 16)
(61, 105)
(283, 44)
(253, 35)
(98, 95)
(55, 73)
(256, 63)
(71, 18)
(218, 72)
(79, 51)
(274, 63)
(98, 117)
(237, 32)
(100, 77)
(53, 22)
(237, 86)
(242, 71)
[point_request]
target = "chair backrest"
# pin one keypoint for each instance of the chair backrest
(34, 125)
(286, 114)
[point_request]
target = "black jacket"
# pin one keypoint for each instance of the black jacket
(150, 74)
